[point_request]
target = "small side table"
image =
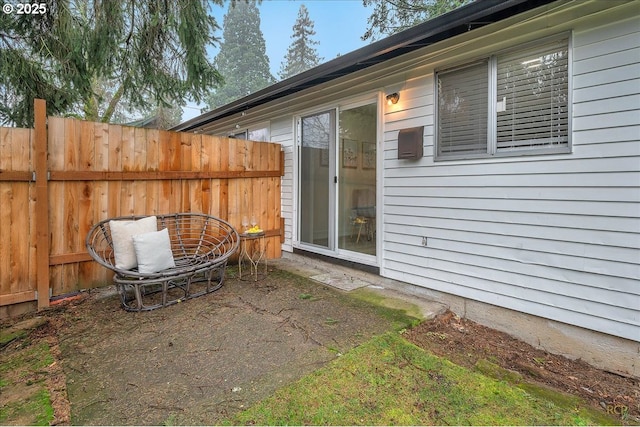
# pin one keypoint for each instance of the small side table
(253, 248)
(360, 222)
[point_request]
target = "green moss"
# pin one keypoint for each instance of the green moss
(20, 330)
(400, 313)
(6, 338)
(26, 400)
(570, 404)
(566, 403)
(36, 409)
(495, 371)
(389, 381)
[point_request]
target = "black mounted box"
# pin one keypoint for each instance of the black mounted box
(410, 143)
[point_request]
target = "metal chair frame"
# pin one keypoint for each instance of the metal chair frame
(201, 245)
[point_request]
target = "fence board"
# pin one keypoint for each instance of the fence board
(6, 135)
(6, 140)
(98, 171)
(5, 239)
(5, 147)
(32, 266)
(17, 219)
(87, 204)
(20, 154)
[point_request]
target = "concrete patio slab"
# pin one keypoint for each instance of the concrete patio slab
(349, 279)
(340, 281)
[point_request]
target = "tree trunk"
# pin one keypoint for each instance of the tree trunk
(106, 117)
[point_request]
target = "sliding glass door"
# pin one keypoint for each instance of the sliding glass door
(317, 137)
(337, 182)
(357, 179)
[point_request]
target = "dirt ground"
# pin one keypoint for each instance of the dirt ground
(196, 362)
(199, 361)
(465, 343)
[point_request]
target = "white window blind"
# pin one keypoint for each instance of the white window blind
(462, 111)
(532, 97)
(261, 134)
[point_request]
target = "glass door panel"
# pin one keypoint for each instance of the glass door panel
(317, 149)
(356, 217)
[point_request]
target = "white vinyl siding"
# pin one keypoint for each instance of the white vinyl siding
(281, 132)
(553, 236)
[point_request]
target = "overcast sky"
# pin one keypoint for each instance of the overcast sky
(339, 24)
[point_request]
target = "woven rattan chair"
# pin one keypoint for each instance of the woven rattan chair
(201, 246)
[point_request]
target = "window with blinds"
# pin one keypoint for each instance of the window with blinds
(532, 97)
(462, 110)
(515, 102)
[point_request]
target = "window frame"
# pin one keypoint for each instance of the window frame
(245, 133)
(492, 116)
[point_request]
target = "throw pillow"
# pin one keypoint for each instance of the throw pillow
(153, 251)
(121, 233)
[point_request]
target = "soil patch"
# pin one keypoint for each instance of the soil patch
(200, 361)
(469, 344)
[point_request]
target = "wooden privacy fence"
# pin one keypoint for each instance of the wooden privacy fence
(61, 177)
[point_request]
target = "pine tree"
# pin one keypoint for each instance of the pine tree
(301, 55)
(242, 59)
(87, 58)
(392, 16)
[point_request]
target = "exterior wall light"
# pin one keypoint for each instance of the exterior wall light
(393, 98)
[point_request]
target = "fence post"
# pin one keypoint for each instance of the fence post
(42, 203)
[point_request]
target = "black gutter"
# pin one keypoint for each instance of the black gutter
(459, 21)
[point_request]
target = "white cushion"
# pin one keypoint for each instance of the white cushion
(153, 251)
(121, 232)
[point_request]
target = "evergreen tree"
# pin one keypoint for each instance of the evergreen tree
(88, 57)
(164, 116)
(392, 16)
(242, 59)
(301, 55)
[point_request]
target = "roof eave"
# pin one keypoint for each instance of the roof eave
(464, 19)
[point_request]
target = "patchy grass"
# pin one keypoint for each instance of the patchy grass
(24, 370)
(389, 381)
(7, 337)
